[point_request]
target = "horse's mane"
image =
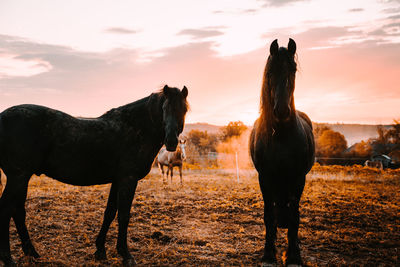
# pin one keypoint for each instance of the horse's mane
(130, 106)
(153, 102)
(265, 124)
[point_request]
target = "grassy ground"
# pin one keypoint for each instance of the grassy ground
(348, 217)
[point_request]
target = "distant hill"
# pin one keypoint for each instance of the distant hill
(213, 129)
(353, 133)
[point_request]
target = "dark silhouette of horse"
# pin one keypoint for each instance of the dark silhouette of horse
(119, 148)
(282, 150)
(171, 160)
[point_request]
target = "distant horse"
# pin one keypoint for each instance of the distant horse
(118, 147)
(282, 149)
(374, 164)
(172, 159)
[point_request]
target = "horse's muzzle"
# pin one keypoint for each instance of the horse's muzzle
(171, 144)
(282, 113)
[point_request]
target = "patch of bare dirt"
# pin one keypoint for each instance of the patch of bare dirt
(213, 221)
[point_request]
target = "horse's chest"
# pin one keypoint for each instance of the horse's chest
(286, 156)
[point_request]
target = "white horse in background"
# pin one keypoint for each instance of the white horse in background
(374, 164)
(171, 160)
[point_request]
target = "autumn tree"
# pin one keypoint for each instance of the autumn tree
(388, 140)
(202, 141)
(319, 129)
(234, 128)
(329, 143)
(362, 149)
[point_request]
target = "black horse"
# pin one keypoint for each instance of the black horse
(119, 148)
(282, 150)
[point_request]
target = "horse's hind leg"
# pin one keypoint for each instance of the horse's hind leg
(109, 216)
(180, 173)
(19, 220)
(12, 204)
(171, 172)
(6, 210)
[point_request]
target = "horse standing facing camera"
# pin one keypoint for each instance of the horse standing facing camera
(282, 149)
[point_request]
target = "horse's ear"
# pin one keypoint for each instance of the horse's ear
(166, 90)
(273, 49)
(292, 46)
(185, 92)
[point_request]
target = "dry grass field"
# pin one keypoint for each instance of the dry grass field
(349, 216)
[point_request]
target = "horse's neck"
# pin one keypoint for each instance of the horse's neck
(144, 114)
(147, 110)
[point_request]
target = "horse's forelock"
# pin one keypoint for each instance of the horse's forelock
(175, 97)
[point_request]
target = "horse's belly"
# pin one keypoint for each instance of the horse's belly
(80, 180)
(84, 172)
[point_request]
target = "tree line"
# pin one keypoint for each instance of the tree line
(331, 146)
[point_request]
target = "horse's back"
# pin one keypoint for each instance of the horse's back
(309, 136)
(37, 139)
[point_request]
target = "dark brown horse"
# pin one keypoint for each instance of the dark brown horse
(118, 147)
(282, 150)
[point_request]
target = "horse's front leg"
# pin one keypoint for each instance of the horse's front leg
(296, 188)
(269, 257)
(161, 167)
(270, 234)
(126, 193)
(109, 216)
(293, 256)
(168, 170)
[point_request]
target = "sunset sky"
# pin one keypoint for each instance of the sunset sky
(86, 57)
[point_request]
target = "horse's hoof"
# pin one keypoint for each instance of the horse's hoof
(100, 255)
(293, 260)
(34, 254)
(129, 262)
(9, 262)
(269, 258)
(7, 259)
(31, 252)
